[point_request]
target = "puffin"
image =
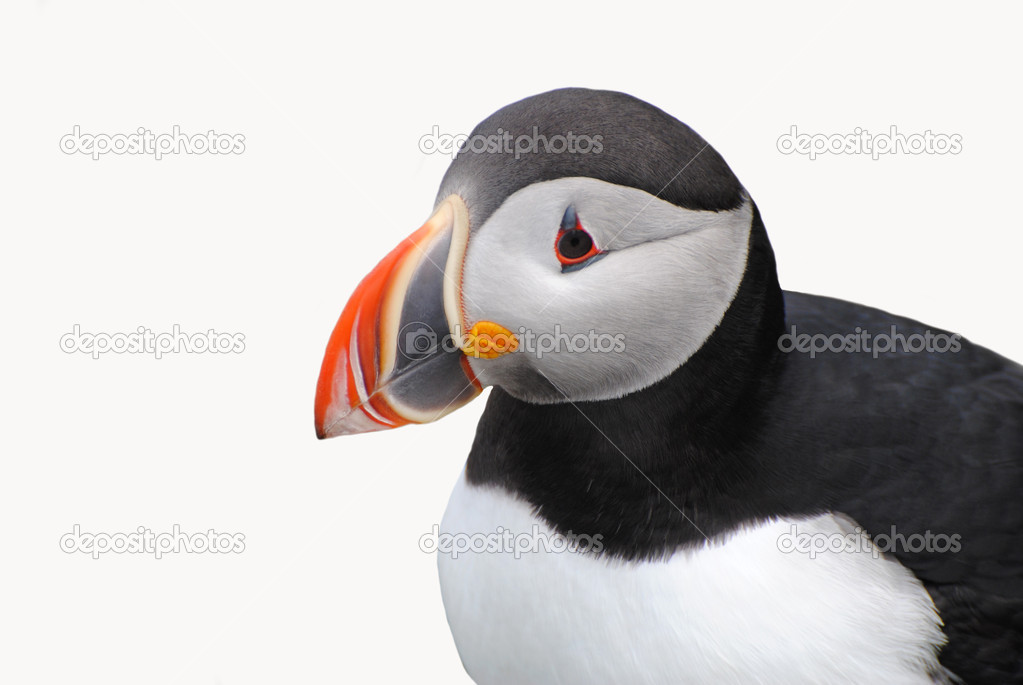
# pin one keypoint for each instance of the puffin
(683, 473)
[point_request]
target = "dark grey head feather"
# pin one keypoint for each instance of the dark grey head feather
(628, 142)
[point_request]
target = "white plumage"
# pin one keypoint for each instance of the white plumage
(744, 612)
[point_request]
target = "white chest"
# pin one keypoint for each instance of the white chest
(738, 611)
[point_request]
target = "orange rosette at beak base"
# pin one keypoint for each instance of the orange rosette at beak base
(489, 340)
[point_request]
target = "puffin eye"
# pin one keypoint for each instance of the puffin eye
(573, 245)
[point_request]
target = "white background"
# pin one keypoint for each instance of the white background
(332, 102)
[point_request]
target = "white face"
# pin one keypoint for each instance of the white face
(666, 280)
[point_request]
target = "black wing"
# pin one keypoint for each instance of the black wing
(924, 441)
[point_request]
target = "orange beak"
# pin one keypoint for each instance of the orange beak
(392, 359)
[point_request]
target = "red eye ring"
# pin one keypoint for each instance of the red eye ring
(573, 245)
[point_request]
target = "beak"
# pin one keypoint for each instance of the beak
(393, 358)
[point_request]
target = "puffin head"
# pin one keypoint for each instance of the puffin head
(584, 246)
